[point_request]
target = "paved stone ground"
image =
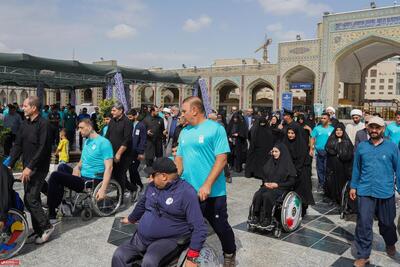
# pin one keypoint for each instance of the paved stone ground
(322, 240)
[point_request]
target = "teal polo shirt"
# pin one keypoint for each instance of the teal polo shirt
(321, 135)
(198, 146)
(95, 152)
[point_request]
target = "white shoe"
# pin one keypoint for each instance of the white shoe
(45, 236)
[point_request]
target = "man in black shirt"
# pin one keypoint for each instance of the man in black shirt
(120, 135)
(33, 143)
(155, 130)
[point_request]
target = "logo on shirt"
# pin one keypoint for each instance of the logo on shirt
(137, 132)
(169, 201)
(201, 139)
(93, 146)
(384, 157)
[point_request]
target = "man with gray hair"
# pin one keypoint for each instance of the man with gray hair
(120, 135)
(34, 144)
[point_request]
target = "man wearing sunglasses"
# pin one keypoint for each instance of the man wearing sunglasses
(168, 210)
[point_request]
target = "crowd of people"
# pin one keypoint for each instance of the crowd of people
(190, 156)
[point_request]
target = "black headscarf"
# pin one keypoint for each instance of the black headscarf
(343, 149)
(239, 126)
(281, 170)
(298, 148)
(278, 121)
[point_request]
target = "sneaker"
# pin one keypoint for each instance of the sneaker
(31, 238)
(45, 236)
(229, 260)
(361, 262)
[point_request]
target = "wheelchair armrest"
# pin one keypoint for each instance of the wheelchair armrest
(184, 240)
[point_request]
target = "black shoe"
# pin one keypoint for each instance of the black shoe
(265, 223)
(255, 220)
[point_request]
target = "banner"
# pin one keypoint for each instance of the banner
(301, 86)
(204, 95)
(120, 89)
(287, 101)
(109, 90)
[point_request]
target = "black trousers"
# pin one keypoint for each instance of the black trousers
(134, 176)
(33, 202)
(58, 180)
(134, 248)
(71, 138)
(215, 211)
(264, 200)
(119, 171)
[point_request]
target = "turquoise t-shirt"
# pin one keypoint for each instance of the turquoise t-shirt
(104, 131)
(321, 135)
(393, 132)
(198, 146)
(95, 152)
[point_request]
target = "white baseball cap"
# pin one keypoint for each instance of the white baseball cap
(376, 120)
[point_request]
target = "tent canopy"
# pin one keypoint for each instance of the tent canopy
(28, 70)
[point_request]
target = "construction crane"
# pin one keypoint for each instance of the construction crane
(264, 46)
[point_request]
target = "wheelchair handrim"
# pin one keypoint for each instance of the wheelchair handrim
(109, 205)
(18, 229)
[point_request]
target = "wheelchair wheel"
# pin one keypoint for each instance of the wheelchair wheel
(291, 212)
(86, 214)
(111, 203)
(13, 235)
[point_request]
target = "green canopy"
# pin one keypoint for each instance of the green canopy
(27, 70)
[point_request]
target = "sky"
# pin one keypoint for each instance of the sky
(160, 33)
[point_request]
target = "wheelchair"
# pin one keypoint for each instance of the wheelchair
(177, 257)
(15, 231)
(286, 215)
(347, 206)
(85, 203)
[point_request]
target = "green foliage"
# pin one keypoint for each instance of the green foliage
(3, 133)
(105, 107)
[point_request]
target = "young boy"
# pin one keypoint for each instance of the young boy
(106, 120)
(63, 147)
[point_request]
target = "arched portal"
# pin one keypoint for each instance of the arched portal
(261, 95)
(58, 96)
(301, 81)
(169, 95)
(146, 95)
(352, 65)
(3, 98)
(23, 95)
(88, 96)
(13, 97)
(228, 95)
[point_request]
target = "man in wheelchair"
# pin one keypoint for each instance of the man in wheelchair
(279, 178)
(95, 164)
(168, 210)
(6, 194)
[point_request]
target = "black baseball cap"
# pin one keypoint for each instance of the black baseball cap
(162, 165)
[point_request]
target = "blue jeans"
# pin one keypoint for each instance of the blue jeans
(321, 166)
(385, 210)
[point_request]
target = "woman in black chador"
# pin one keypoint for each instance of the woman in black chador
(276, 132)
(261, 143)
(237, 133)
(279, 177)
(299, 154)
(339, 164)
